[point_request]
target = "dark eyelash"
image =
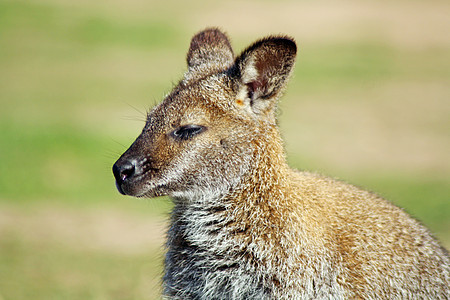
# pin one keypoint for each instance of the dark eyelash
(187, 131)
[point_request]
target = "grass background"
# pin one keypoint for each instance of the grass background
(368, 103)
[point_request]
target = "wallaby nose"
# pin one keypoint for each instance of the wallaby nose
(123, 170)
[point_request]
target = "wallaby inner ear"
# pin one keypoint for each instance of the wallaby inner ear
(210, 51)
(263, 70)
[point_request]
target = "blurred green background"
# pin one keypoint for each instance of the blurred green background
(368, 103)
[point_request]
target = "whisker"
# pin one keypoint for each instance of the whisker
(142, 113)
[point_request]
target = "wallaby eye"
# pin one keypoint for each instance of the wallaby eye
(187, 131)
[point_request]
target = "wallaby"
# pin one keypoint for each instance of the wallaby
(244, 224)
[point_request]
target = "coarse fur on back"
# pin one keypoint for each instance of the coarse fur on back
(244, 224)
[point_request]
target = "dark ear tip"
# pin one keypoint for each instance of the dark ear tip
(290, 43)
(206, 44)
(210, 36)
(211, 31)
(285, 42)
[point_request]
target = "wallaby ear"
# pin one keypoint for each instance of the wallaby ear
(210, 51)
(263, 70)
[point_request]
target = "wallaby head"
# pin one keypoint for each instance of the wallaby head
(207, 133)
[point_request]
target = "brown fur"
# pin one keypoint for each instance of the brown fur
(247, 226)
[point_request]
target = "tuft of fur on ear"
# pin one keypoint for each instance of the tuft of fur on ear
(210, 51)
(263, 70)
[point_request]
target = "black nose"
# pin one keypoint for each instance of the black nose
(123, 170)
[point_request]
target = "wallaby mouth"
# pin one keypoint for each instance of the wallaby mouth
(119, 188)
